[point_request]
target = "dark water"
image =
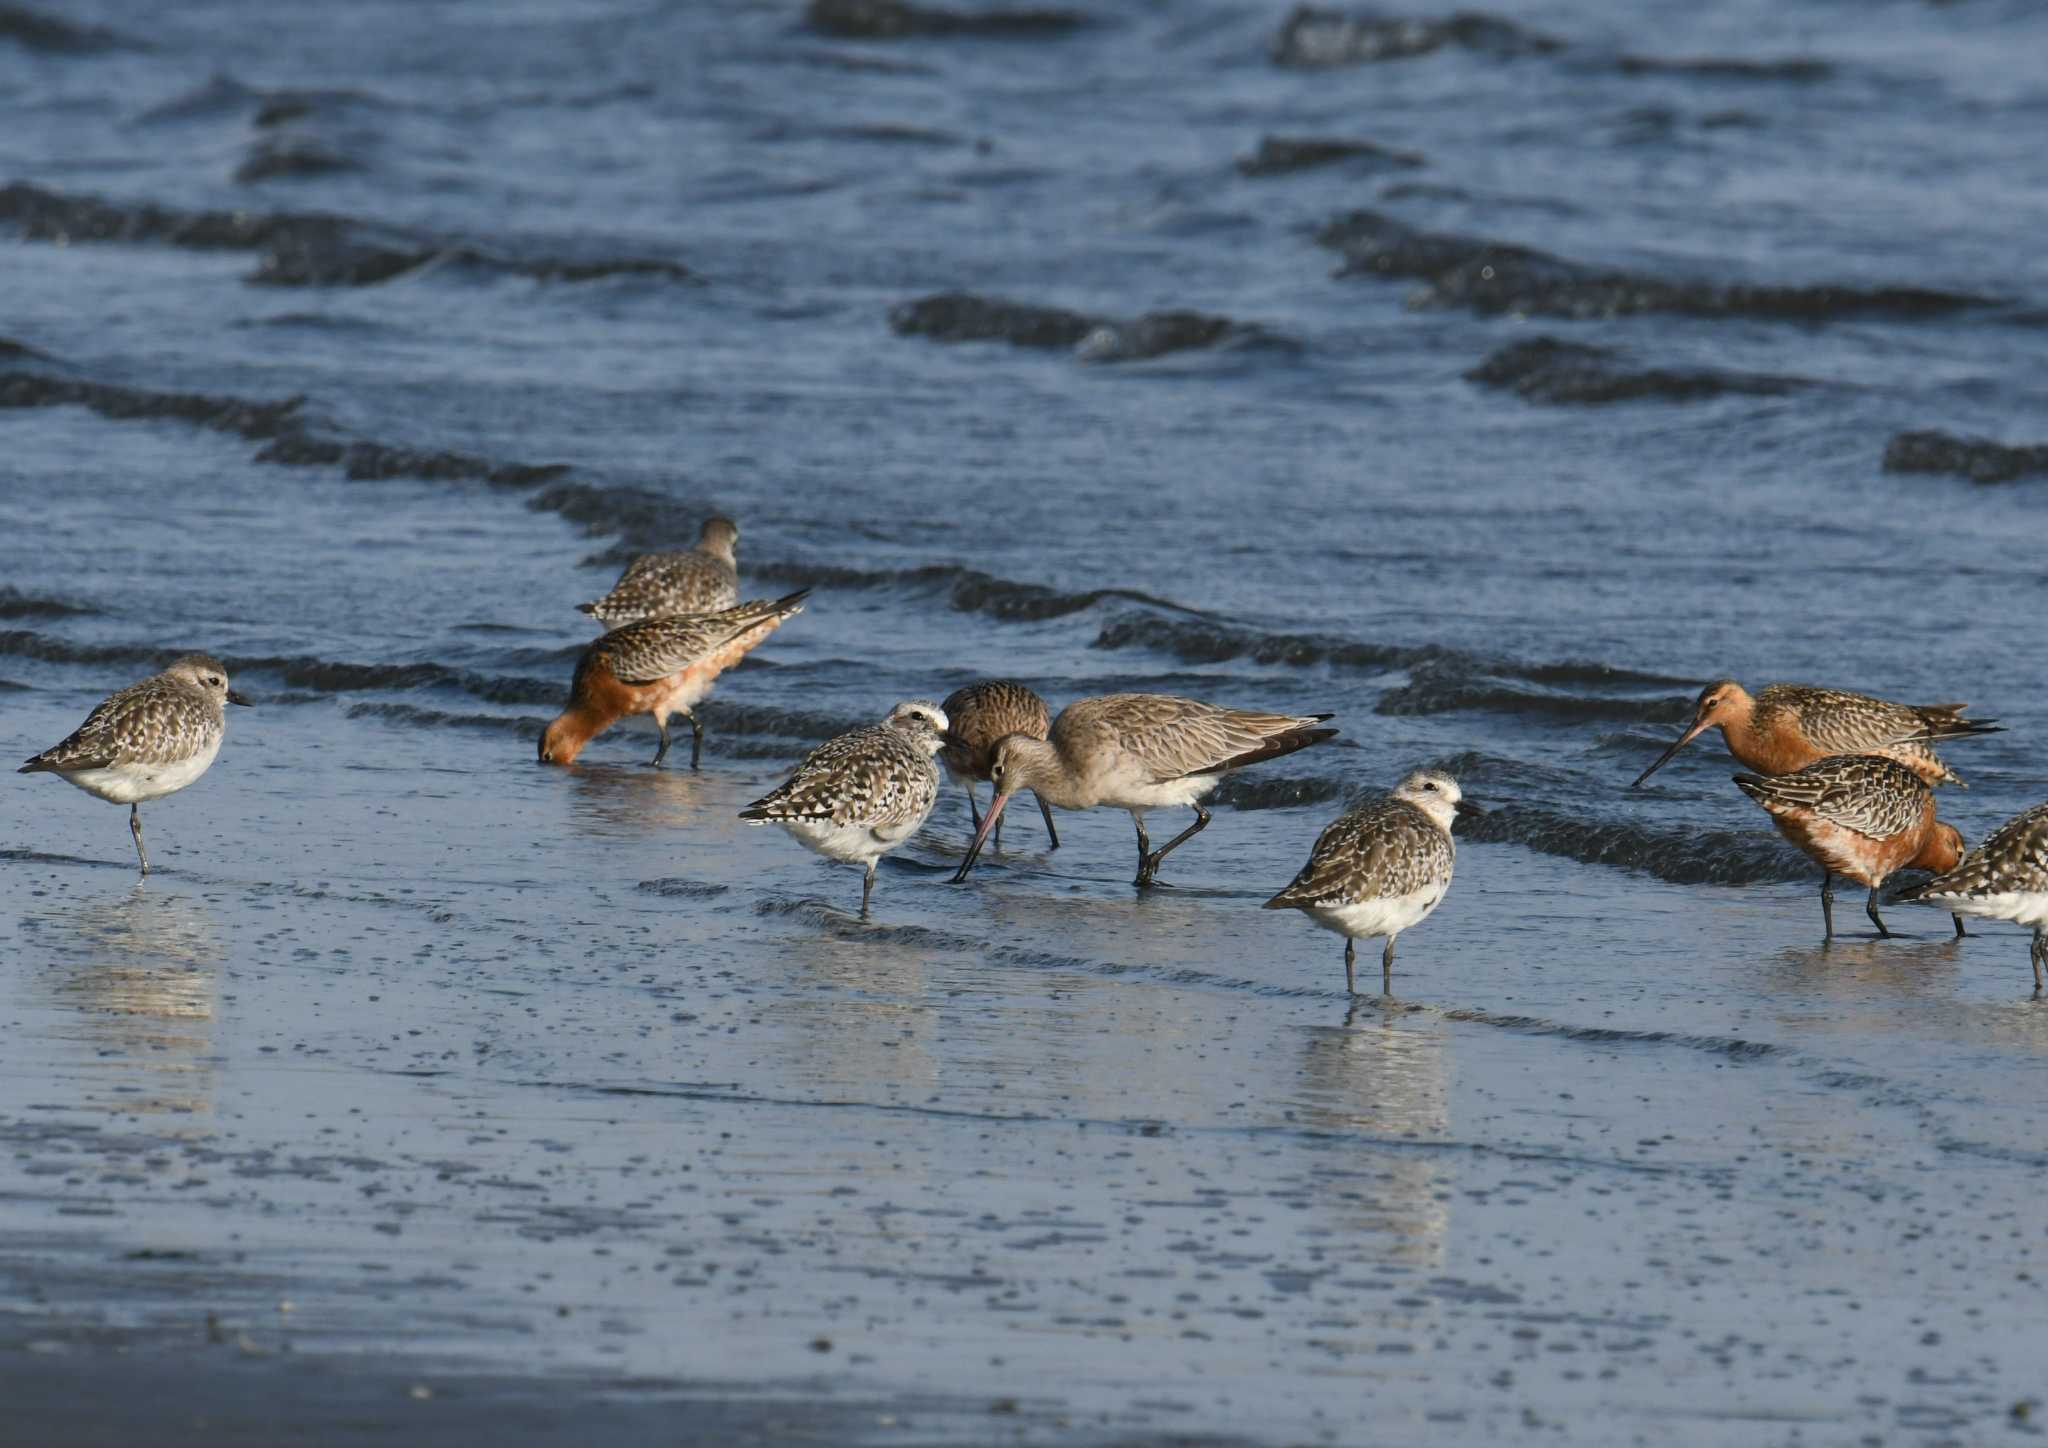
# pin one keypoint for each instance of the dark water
(1571, 385)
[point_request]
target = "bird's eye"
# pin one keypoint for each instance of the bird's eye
(1429, 784)
(995, 771)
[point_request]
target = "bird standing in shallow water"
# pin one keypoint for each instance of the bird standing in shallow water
(980, 716)
(148, 740)
(1139, 752)
(1788, 726)
(860, 794)
(1861, 816)
(661, 667)
(2005, 878)
(704, 579)
(1381, 867)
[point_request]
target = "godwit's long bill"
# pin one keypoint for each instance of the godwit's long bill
(1381, 867)
(660, 667)
(1861, 816)
(1784, 727)
(1139, 752)
(2005, 878)
(980, 716)
(860, 794)
(147, 740)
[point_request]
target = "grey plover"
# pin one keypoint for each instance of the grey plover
(860, 794)
(148, 740)
(1381, 867)
(1789, 726)
(1861, 816)
(2005, 878)
(1139, 752)
(659, 667)
(981, 716)
(705, 579)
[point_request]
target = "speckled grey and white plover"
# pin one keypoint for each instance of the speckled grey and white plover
(1139, 752)
(860, 794)
(2005, 878)
(982, 715)
(1381, 867)
(659, 667)
(1784, 727)
(1861, 816)
(148, 740)
(703, 579)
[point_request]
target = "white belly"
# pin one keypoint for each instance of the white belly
(2022, 907)
(1389, 916)
(132, 783)
(855, 844)
(1140, 797)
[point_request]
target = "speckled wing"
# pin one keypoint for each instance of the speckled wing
(2013, 859)
(1874, 796)
(1381, 849)
(153, 722)
(1845, 723)
(874, 776)
(980, 715)
(656, 648)
(1173, 737)
(657, 584)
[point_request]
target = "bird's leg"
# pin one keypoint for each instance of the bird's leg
(144, 855)
(867, 888)
(2038, 955)
(1145, 861)
(1201, 823)
(1827, 902)
(1387, 969)
(1961, 933)
(973, 807)
(661, 723)
(1046, 810)
(1870, 909)
(999, 833)
(696, 738)
(1350, 966)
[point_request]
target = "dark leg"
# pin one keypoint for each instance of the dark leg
(1046, 810)
(999, 828)
(1827, 902)
(661, 723)
(1151, 867)
(1144, 852)
(1387, 969)
(1350, 966)
(1961, 934)
(973, 808)
(1870, 909)
(867, 888)
(696, 738)
(135, 828)
(2039, 955)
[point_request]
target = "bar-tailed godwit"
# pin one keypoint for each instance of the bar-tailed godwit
(1785, 727)
(1861, 816)
(860, 794)
(2005, 878)
(147, 740)
(661, 667)
(981, 716)
(1139, 752)
(1381, 867)
(703, 580)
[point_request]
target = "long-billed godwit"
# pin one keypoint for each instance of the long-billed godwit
(1861, 816)
(1139, 752)
(2005, 878)
(147, 740)
(1788, 726)
(981, 716)
(1381, 867)
(703, 580)
(662, 667)
(860, 794)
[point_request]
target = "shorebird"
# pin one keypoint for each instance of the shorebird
(981, 716)
(1139, 752)
(1861, 816)
(704, 580)
(1381, 867)
(860, 794)
(1788, 726)
(147, 740)
(662, 667)
(2005, 878)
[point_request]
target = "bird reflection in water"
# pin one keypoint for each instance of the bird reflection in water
(631, 800)
(141, 970)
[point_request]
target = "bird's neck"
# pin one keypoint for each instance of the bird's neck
(584, 719)
(1036, 765)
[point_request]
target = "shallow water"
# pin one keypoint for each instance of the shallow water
(570, 1072)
